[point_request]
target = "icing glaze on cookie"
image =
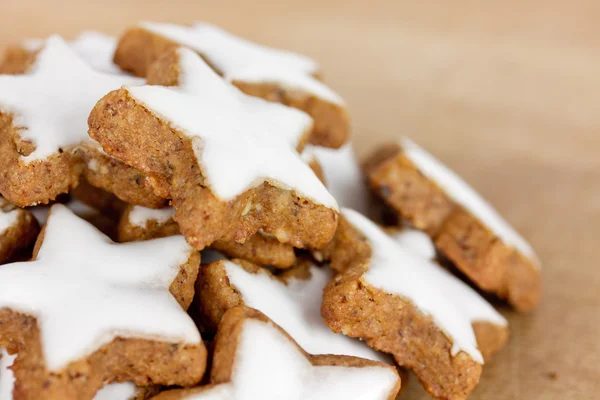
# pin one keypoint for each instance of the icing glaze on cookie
(269, 366)
(79, 208)
(117, 391)
(239, 141)
(404, 272)
(7, 378)
(114, 391)
(417, 241)
(51, 103)
(140, 216)
(296, 307)
(343, 176)
(97, 49)
(8, 219)
(85, 290)
(466, 196)
(241, 60)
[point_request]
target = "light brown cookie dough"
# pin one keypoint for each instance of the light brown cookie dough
(248, 343)
(139, 223)
(75, 370)
(444, 345)
(486, 257)
(140, 47)
(109, 174)
(18, 230)
(129, 131)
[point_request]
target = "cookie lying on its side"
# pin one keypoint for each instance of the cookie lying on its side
(228, 161)
(18, 230)
(274, 75)
(464, 227)
(256, 359)
(86, 312)
(140, 223)
(401, 302)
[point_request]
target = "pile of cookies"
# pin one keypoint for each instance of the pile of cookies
(183, 217)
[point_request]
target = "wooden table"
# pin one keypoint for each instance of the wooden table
(506, 92)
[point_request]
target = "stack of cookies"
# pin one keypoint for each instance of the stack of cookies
(183, 217)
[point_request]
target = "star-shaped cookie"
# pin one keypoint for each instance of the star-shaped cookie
(228, 161)
(391, 294)
(256, 359)
(275, 75)
(88, 306)
(43, 121)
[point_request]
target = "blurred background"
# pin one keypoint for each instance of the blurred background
(506, 92)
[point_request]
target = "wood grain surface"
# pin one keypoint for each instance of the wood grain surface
(506, 92)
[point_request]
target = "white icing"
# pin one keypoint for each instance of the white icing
(79, 208)
(466, 196)
(343, 176)
(241, 60)
(51, 103)
(140, 216)
(8, 219)
(417, 241)
(85, 291)
(239, 141)
(296, 307)
(404, 272)
(268, 366)
(117, 391)
(96, 48)
(7, 378)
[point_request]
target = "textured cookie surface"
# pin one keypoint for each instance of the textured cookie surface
(400, 302)
(464, 227)
(140, 223)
